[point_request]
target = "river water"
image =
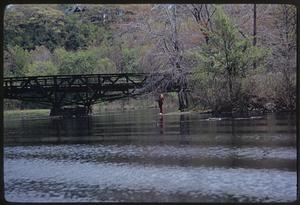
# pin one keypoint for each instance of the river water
(139, 156)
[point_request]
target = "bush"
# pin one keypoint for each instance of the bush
(16, 61)
(40, 68)
(82, 62)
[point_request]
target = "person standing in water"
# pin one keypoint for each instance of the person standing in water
(160, 103)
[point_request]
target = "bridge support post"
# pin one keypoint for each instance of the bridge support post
(55, 111)
(183, 100)
(88, 109)
(70, 111)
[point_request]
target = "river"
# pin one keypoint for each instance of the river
(140, 156)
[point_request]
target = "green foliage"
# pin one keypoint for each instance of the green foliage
(39, 68)
(82, 34)
(130, 60)
(42, 40)
(228, 53)
(105, 65)
(27, 114)
(82, 62)
(224, 62)
(17, 60)
(29, 26)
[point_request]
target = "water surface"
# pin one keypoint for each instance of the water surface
(139, 156)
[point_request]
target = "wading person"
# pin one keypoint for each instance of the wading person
(160, 103)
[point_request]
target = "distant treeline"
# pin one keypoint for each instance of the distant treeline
(243, 56)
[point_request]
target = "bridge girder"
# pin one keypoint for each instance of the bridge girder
(85, 90)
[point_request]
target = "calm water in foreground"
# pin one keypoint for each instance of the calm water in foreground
(141, 156)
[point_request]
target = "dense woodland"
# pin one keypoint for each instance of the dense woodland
(243, 56)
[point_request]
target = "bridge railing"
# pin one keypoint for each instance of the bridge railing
(62, 81)
(62, 90)
(75, 80)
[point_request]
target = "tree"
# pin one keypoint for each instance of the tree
(228, 57)
(40, 68)
(284, 51)
(163, 28)
(80, 34)
(16, 61)
(82, 62)
(23, 23)
(254, 30)
(203, 14)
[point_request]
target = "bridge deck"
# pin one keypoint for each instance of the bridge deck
(73, 89)
(63, 90)
(60, 80)
(77, 89)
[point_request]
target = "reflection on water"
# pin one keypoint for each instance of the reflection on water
(184, 129)
(161, 124)
(142, 156)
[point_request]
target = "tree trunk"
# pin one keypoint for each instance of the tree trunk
(254, 31)
(230, 91)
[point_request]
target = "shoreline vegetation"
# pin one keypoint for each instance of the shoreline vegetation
(44, 113)
(170, 106)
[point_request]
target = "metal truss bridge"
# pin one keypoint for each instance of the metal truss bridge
(83, 90)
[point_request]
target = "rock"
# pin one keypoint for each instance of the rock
(270, 107)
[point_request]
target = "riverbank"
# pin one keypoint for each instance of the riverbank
(105, 107)
(25, 114)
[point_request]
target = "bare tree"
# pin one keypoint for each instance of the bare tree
(203, 15)
(162, 27)
(286, 52)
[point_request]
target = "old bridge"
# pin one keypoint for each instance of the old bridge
(85, 90)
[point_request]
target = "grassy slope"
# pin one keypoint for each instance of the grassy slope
(13, 114)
